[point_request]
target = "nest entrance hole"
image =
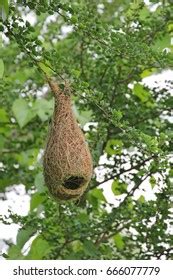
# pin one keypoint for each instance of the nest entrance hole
(74, 183)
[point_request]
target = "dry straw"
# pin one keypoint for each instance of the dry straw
(67, 160)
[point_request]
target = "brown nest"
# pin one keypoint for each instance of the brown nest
(67, 160)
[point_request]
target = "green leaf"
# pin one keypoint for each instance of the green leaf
(22, 112)
(2, 141)
(141, 93)
(3, 115)
(45, 67)
(164, 42)
(36, 200)
(92, 200)
(171, 173)
(27, 158)
(4, 9)
(76, 73)
(82, 116)
(6, 181)
(152, 181)
(144, 13)
(43, 108)
(77, 246)
(98, 193)
(89, 248)
(148, 72)
(115, 188)
(83, 218)
(1, 68)
(39, 249)
(22, 75)
(24, 235)
(14, 253)
(74, 19)
(151, 142)
(119, 241)
(39, 183)
(114, 147)
(118, 188)
(117, 115)
(141, 199)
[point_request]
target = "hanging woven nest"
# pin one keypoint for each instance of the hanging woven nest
(67, 160)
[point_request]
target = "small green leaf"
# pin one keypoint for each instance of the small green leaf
(171, 173)
(117, 115)
(3, 115)
(77, 246)
(4, 9)
(152, 181)
(148, 72)
(36, 200)
(92, 200)
(83, 218)
(39, 249)
(90, 248)
(141, 199)
(2, 142)
(1, 68)
(141, 93)
(74, 19)
(22, 112)
(14, 253)
(98, 193)
(39, 183)
(85, 84)
(118, 188)
(144, 13)
(43, 108)
(115, 187)
(24, 235)
(114, 147)
(82, 116)
(27, 158)
(119, 241)
(162, 43)
(151, 142)
(76, 73)
(45, 67)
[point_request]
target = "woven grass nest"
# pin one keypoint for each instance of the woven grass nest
(67, 160)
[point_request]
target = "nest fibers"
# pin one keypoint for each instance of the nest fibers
(67, 160)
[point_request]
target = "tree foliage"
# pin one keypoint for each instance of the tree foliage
(103, 49)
